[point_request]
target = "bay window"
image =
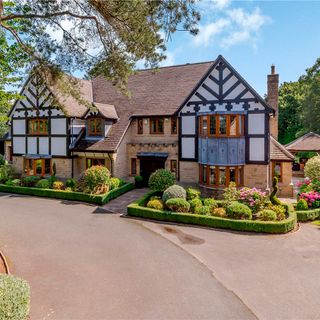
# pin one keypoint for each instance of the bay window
(37, 167)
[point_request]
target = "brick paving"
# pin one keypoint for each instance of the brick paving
(119, 205)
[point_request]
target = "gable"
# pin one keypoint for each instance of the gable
(223, 89)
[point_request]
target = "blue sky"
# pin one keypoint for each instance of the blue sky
(252, 35)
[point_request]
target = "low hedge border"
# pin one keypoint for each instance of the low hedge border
(137, 209)
(69, 195)
(308, 215)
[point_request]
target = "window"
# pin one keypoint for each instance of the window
(95, 162)
(216, 176)
(156, 125)
(277, 170)
(95, 127)
(9, 155)
(38, 167)
(174, 125)
(133, 166)
(38, 126)
(173, 166)
(140, 126)
(230, 125)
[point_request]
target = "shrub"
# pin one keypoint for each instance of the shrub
(14, 298)
(71, 183)
(254, 198)
(2, 160)
(195, 203)
(304, 186)
(267, 215)
(138, 178)
(210, 202)
(178, 205)
(273, 196)
(14, 182)
(115, 183)
(101, 189)
(58, 185)
(231, 193)
(279, 210)
(312, 168)
(155, 204)
(312, 198)
(30, 181)
(192, 193)
(43, 184)
(6, 172)
(174, 191)
(302, 204)
(203, 210)
(237, 210)
(95, 177)
(161, 179)
(219, 212)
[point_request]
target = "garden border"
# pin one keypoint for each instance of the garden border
(69, 195)
(308, 215)
(136, 209)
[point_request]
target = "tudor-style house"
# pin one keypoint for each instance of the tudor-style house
(202, 121)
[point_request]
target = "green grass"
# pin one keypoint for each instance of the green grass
(138, 209)
(316, 223)
(68, 195)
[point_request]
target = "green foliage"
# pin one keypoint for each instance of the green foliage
(6, 172)
(267, 215)
(231, 193)
(312, 168)
(192, 193)
(155, 204)
(71, 183)
(194, 204)
(95, 177)
(138, 178)
(115, 183)
(237, 210)
(210, 202)
(302, 205)
(219, 212)
(14, 182)
(178, 205)
(14, 298)
(280, 211)
(174, 191)
(273, 196)
(30, 181)
(54, 169)
(58, 185)
(161, 179)
(308, 215)
(2, 159)
(203, 210)
(43, 184)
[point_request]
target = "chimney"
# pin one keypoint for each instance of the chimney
(272, 99)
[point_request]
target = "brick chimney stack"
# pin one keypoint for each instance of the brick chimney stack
(272, 99)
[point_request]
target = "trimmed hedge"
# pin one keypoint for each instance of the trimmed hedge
(69, 195)
(137, 209)
(14, 298)
(308, 215)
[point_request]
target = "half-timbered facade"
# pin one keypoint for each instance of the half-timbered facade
(202, 121)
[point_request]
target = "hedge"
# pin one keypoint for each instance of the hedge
(69, 195)
(308, 215)
(14, 298)
(137, 209)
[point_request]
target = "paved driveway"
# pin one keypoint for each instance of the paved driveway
(84, 264)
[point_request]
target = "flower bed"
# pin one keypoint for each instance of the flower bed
(139, 209)
(69, 195)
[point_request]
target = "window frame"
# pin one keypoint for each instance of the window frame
(156, 119)
(174, 123)
(133, 166)
(35, 123)
(274, 163)
(140, 128)
(27, 166)
(94, 133)
(95, 159)
(174, 163)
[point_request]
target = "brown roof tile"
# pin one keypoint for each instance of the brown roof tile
(308, 142)
(278, 151)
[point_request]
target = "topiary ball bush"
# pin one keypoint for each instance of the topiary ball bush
(312, 168)
(280, 210)
(174, 191)
(71, 183)
(302, 205)
(30, 181)
(96, 176)
(58, 185)
(267, 215)
(195, 203)
(116, 183)
(237, 210)
(193, 193)
(203, 210)
(178, 205)
(43, 184)
(14, 182)
(155, 204)
(14, 298)
(210, 202)
(219, 212)
(161, 179)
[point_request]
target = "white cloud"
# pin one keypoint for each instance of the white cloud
(221, 4)
(169, 60)
(208, 5)
(234, 27)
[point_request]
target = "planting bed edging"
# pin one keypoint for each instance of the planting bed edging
(69, 195)
(137, 209)
(308, 215)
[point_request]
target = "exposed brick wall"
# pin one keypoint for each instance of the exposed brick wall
(17, 163)
(63, 167)
(272, 99)
(189, 172)
(120, 159)
(256, 175)
(285, 187)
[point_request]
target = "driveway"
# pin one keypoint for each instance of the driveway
(83, 263)
(277, 276)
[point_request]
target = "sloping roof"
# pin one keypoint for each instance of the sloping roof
(279, 152)
(153, 93)
(107, 110)
(308, 142)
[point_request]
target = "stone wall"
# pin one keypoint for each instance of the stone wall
(189, 172)
(17, 163)
(286, 186)
(256, 175)
(63, 167)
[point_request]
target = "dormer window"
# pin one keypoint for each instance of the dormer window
(95, 127)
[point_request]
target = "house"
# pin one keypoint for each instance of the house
(202, 121)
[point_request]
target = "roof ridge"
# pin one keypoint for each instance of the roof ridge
(303, 137)
(281, 147)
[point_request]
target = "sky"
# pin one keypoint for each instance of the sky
(252, 35)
